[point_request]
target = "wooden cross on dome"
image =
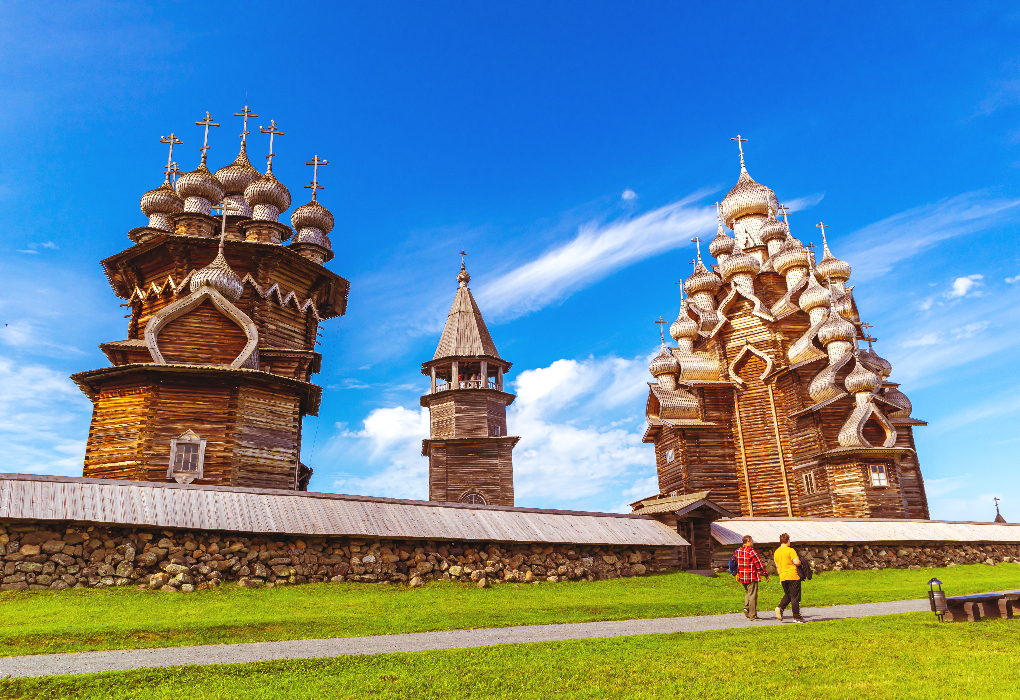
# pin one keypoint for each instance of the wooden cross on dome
(173, 141)
(996, 499)
(315, 162)
(740, 145)
(462, 256)
(207, 122)
(785, 211)
(811, 247)
(662, 335)
(697, 243)
(246, 112)
(866, 327)
(273, 130)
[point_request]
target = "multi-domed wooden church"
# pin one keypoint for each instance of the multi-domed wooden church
(769, 400)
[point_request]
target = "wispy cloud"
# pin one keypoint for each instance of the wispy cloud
(628, 194)
(802, 203)
(875, 249)
(593, 254)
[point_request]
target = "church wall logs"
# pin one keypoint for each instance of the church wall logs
(203, 336)
(61, 555)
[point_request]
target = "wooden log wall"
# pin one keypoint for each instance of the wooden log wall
(268, 438)
(203, 336)
(457, 467)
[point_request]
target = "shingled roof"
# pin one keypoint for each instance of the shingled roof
(465, 333)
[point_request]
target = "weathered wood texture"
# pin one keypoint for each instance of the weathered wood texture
(461, 467)
(755, 456)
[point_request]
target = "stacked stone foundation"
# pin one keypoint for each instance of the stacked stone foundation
(50, 556)
(840, 557)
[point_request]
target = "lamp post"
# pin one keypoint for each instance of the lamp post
(937, 599)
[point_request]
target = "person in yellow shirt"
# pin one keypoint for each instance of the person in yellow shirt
(787, 562)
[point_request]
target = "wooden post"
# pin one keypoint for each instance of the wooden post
(499, 378)
(485, 374)
(779, 446)
(743, 456)
(433, 379)
(454, 376)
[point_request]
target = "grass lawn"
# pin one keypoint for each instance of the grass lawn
(897, 656)
(124, 618)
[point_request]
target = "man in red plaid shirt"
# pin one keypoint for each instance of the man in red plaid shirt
(749, 572)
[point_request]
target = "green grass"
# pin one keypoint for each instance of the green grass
(125, 618)
(898, 656)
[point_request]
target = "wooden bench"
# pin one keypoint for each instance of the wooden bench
(971, 608)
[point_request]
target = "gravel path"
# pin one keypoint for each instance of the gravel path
(122, 660)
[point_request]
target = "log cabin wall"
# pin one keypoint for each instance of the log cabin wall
(792, 455)
(250, 419)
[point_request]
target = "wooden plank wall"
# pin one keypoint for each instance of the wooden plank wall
(203, 336)
(268, 438)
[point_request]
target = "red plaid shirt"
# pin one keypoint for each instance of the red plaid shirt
(749, 566)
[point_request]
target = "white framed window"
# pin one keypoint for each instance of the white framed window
(878, 475)
(187, 457)
(474, 498)
(670, 456)
(810, 486)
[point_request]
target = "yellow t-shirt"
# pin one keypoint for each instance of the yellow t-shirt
(784, 557)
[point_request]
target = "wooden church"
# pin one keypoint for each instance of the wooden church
(769, 400)
(213, 379)
(470, 454)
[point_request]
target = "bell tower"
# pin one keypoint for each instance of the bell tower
(470, 454)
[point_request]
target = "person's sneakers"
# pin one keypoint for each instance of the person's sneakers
(754, 619)
(745, 611)
(779, 613)
(799, 620)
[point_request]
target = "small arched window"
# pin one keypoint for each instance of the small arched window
(187, 457)
(474, 498)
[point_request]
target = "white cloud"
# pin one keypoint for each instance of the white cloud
(875, 249)
(965, 285)
(802, 203)
(628, 194)
(1013, 280)
(31, 252)
(926, 304)
(41, 425)
(970, 330)
(51, 245)
(569, 416)
(593, 254)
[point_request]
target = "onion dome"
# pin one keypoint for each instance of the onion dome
(814, 296)
(748, 197)
(722, 244)
(702, 280)
(463, 278)
(683, 328)
(836, 328)
(312, 215)
(158, 203)
(830, 267)
(200, 189)
(663, 363)
(861, 379)
(876, 363)
(268, 197)
(238, 175)
(219, 275)
(772, 229)
(738, 263)
(791, 254)
(899, 399)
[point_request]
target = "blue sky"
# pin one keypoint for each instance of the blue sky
(573, 150)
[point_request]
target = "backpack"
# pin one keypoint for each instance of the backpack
(804, 570)
(734, 567)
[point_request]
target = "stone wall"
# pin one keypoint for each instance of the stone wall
(838, 557)
(38, 556)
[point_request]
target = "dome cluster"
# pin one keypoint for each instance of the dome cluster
(244, 192)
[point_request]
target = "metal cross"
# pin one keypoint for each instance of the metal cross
(784, 210)
(740, 145)
(222, 206)
(867, 334)
(996, 499)
(246, 112)
(662, 335)
(172, 172)
(697, 242)
(462, 254)
(315, 162)
(208, 121)
(173, 141)
(273, 130)
(823, 226)
(811, 246)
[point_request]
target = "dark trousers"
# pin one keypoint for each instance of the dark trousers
(791, 596)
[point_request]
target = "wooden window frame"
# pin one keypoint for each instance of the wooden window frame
(876, 470)
(810, 483)
(470, 494)
(188, 437)
(670, 456)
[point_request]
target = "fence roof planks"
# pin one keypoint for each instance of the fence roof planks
(264, 511)
(766, 531)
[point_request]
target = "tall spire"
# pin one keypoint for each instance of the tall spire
(740, 142)
(273, 130)
(207, 122)
(465, 334)
(463, 278)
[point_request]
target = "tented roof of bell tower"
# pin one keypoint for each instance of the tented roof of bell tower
(465, 333)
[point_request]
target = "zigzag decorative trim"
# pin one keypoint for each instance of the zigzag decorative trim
(176, 288)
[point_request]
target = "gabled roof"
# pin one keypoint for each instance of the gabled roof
(679, 505)
(465, 333)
